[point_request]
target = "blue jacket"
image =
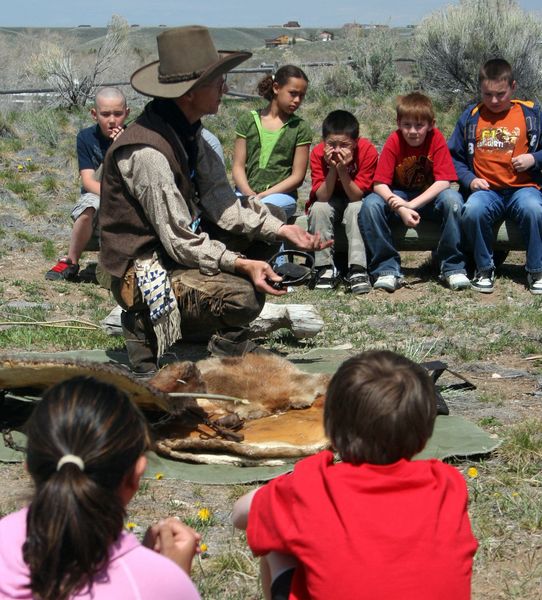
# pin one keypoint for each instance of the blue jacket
(463, 142)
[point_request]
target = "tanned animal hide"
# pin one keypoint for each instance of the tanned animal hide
(269, 383)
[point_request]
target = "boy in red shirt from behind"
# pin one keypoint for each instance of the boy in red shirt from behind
(377, 524)
(342, 170)
(412, 183)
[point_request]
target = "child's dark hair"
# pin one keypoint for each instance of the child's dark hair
(415, 106)
(76, 512)
(380, 407)
(496, 69)
(265, 86)
(340, 122)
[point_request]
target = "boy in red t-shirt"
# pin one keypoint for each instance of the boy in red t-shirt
(377, 524)
(497, 152)
(342, 169)
(412, 182)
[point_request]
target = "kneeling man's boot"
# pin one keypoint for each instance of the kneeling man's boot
(140, 342)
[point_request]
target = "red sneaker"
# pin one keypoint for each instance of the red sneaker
(64, 269)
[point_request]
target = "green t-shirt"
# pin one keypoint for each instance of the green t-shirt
(270, 154)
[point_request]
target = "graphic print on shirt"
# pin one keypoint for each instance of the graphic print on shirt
(498, 139)
(414, 172)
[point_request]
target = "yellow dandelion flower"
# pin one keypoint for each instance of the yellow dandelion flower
(203, 547)
(20, 167)
(130, 526)
(204, 514)
(159, 476)
(29, 159)
(515, 494)
(472, 472)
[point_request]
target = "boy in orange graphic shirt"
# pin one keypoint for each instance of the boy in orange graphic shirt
(497, 154)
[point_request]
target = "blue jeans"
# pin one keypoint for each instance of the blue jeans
(375, 218)
(284, 201)
(485, 208)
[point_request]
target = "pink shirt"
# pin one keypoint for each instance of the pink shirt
(134, 572)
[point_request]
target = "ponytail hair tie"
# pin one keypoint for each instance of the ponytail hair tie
(70, 458)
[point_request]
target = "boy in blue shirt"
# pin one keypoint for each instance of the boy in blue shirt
(110, 112)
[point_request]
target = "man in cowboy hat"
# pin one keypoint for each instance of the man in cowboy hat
(172, 230)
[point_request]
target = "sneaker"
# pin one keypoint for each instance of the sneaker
(457, 281)
(327, 278)
(390, 283)
(534, 280)
(358, 282)
(484, 281)
(64, 269)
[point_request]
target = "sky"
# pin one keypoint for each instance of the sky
(222, 13)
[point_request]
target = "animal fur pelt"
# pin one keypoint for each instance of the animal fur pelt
(269, 383)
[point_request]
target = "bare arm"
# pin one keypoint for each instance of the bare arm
(241, 509)
(395, 202)
(238, 170)
(429, 194)
(408, 215)
(89, 182)
(383, 190)
(293, 181)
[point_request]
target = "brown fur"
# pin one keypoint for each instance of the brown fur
(270, 383)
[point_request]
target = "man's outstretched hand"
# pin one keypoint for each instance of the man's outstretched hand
(303, 239)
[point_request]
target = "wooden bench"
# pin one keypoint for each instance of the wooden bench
(426, 236)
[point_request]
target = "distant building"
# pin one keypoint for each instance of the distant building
(292, 24)
(281, 40)
(83, 25)
(325, 36)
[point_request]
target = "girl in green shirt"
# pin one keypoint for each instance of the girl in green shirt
(271, 152)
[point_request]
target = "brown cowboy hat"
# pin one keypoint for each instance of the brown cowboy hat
(186, 57)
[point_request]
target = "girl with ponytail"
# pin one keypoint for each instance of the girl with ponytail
(271, 152)
(86, 455)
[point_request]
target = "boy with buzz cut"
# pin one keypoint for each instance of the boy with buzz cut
(412, 182)
(110, 112)
(497, 151)
(374, 524)
(342, 170)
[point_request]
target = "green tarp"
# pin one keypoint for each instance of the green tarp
(453, 436)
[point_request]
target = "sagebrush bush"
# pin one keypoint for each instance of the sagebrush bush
(452, 44)
(6, 130)
(373, 58)
(336, 81)
(43, 125)
(74, 76)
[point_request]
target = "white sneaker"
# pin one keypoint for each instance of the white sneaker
(390, 283)
(534, 281)
(457, 281)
